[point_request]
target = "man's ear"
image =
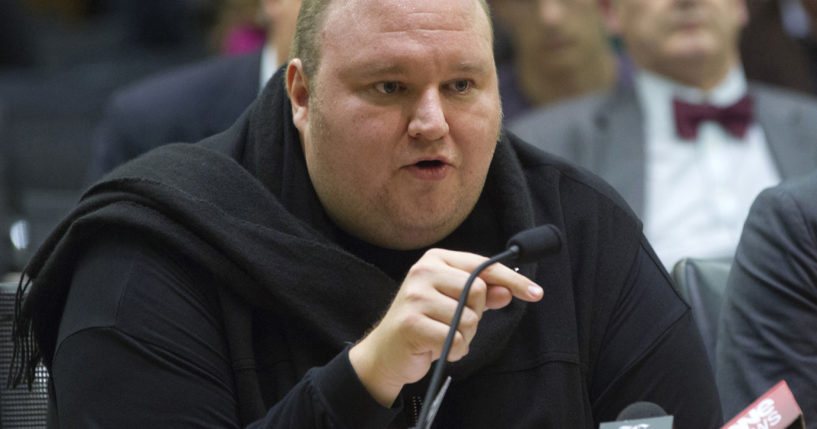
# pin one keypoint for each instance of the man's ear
(611, 20)
(298, 91)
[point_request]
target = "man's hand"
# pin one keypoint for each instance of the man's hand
(401, 348)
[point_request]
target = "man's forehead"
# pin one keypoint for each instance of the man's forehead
(399, 15)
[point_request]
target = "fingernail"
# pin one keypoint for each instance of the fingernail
(535, 291)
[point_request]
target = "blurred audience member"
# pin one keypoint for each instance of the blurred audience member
(779, 46)
(194, 102)
(691, 144)
(561, 50)
(769, 318)
(769, 314)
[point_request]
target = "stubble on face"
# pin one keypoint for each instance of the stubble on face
(361, 191)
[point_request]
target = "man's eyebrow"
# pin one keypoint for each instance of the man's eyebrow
(473, 68)
(376, 70)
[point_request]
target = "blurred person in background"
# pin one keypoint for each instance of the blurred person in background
(560, 50)
(75, 53)
(769, 315)
(193, 102)
(768, 322)
(691, 143)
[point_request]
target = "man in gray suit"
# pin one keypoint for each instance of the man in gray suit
(769, 317)
(692, 143)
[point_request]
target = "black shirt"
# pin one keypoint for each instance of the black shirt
(211, 293)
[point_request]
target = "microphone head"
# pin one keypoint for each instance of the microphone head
(640, 410)
(534, 243)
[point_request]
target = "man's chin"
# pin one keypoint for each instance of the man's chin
(416, 236)
(695, 47)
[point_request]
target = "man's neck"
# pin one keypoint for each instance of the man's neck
(599, 73)
(694, 72)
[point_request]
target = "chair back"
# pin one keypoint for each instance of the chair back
(702, 283)
(19, 407)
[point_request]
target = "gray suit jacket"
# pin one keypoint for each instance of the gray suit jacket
(605, 134)
(768, 325)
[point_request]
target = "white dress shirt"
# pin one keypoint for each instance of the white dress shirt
(698, 192)
(269, 65)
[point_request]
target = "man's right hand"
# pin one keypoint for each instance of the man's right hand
(402, 346)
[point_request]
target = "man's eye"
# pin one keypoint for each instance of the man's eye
(461, 85)
(388, 87)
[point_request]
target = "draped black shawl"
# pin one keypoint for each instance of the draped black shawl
(241, 205)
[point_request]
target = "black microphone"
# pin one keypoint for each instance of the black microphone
(531, 244)
(524, 247)
(641, 415)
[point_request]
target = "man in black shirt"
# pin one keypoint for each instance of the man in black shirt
(301, 269)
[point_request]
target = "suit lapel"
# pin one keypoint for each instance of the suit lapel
(618, 154)
(790, 139)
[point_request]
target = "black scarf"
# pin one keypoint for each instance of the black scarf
(241, 205)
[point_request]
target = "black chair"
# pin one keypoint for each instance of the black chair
(19, 407)
(702, 283)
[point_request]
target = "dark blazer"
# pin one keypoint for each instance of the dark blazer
(604, 133)
(185, 105)
(768, 326)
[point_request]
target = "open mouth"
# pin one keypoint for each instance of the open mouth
(429, 164)
(430, 169)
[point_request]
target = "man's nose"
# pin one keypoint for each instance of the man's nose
(428, 117)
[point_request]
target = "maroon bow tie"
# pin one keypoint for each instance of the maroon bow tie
(735, 118)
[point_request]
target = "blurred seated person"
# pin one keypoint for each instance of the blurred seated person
(768, 325)
(301, 269)
(769, 315)
(193, 102)
(779, 45)
(692, 142)
(560, 50)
